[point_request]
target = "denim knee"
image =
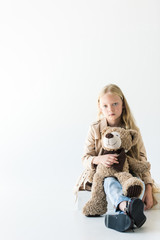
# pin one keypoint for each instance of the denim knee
(107, 182)
(110, 184)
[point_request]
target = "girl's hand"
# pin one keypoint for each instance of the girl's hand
(148, 197)
(108, 160)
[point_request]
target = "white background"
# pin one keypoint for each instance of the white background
(55, 57)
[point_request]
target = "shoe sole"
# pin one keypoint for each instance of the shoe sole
(119, 222)
(136, 208)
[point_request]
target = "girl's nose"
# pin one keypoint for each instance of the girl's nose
(110, 108)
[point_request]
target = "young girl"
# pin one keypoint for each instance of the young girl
(113, 110)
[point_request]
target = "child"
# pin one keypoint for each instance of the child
(113, 110)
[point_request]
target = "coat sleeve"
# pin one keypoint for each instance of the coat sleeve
(89, 149)
(146, 177)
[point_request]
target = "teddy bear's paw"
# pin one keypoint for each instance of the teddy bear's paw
(134, 191)
(92, 209)
(132, 187)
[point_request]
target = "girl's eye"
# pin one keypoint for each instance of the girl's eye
(105, 106)
(115, 104)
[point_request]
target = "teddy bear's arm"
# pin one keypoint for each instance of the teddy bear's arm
(138, 166)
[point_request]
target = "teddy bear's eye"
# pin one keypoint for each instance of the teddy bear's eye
(116, 134)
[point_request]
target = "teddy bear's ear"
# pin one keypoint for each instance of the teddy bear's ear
(134, 135)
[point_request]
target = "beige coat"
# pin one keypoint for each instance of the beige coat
(93, 148)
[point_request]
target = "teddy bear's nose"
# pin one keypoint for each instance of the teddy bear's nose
(109, 135)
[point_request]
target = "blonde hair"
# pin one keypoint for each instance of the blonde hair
(127, 118)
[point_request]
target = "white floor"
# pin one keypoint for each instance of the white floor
(94, 228)
(50, 223)
(45, 215)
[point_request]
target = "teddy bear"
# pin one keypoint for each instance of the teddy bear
(116, 140)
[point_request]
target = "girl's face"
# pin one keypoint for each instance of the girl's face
(111, 108)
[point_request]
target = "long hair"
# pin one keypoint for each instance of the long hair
(126, 117)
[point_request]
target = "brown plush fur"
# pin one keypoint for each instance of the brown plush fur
(131, 186)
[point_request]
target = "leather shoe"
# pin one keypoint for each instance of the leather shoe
(134, 209)
(120, 222)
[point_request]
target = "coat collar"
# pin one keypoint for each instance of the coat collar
(103, 124)
(100, 127)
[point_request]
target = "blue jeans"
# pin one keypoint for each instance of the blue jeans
(114, 192)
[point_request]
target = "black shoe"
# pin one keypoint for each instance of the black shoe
(119, 222)
(134, 209)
